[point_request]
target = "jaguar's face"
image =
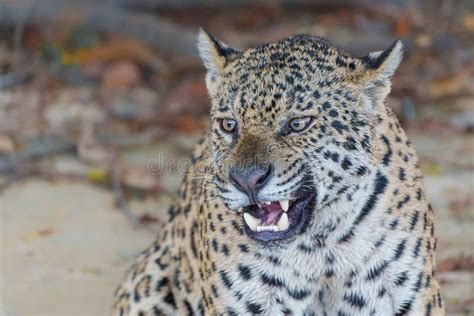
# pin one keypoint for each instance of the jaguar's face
(289, 134)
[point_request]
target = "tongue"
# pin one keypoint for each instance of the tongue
(270, 214)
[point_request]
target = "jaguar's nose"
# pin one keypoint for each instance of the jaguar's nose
(251, 180)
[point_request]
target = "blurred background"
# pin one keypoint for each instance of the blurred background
(99, 101)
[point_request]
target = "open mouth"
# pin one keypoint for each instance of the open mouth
(277, 220)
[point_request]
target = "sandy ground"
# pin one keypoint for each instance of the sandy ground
(65, 247)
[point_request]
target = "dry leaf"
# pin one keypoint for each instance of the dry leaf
(462, 262)
(468, 22)
(97, 175)
(6, 144)
(117, 49)
(45, 232)
(148, 219)
(452, 85)
(121, 75)
(402, 26)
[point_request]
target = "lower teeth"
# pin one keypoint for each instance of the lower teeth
(272, 228)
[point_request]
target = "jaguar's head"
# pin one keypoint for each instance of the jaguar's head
(292, 128)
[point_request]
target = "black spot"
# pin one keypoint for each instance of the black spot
(215, 245)
(254, 308)
(347, 236)
(298, 294)
(161, 284)
(225, 250)
(225, 279)
(429, 308)
(402, 174)
(326, 105)
(193, 240)
(231, 312)
(380, 185)
(305, 248)
(350, 144)
(414, 219)
(394, 224)
(339, 126)
(274, 260)
(169, 299)
(271, 280)
(329, 273)
(376, 271)
(333, 113)
(388, 155)
(440, 299)
(380, 242)
(346, 163)
(156, 311)
(419, 194)
(355, 300)
(189, 308)
(401, 279)
(382, 292)
(400, 249)
(214, 290)
(418, 283)
(244, 248)
(245, 272)
(416, 250)
(362, 171)
(403, 202)
(405, 307)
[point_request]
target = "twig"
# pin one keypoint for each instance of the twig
(120, 200)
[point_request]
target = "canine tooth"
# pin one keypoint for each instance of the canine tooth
(267, 203)
(283, 222)
(251, 221)
(284, 205)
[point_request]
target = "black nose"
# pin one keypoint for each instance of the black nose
(252, 179)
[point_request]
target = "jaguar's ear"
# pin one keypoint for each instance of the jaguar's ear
(214, 54)
(377, 69)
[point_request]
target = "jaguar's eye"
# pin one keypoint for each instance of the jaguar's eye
(300, 124)
(228, 125)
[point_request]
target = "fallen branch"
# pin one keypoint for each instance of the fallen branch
(35, 151)
(157, 32)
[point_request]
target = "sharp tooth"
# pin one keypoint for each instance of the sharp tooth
(251, 221)
(259, 205)
(284, 205)
(283, 222)
(240, 210)
(267, 203)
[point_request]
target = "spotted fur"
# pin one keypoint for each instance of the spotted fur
(368, 245)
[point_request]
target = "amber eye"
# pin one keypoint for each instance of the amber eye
(228, 125)
(301, 123)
